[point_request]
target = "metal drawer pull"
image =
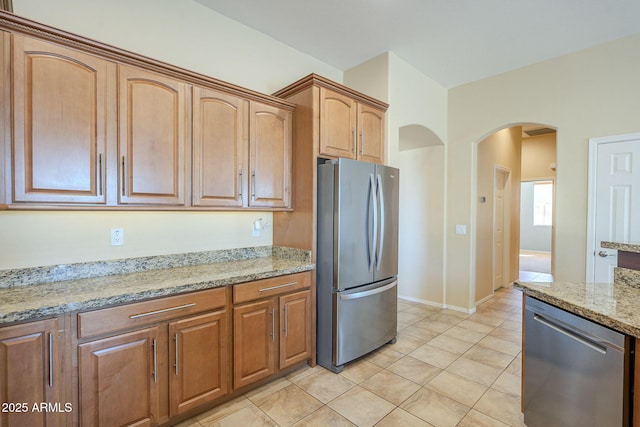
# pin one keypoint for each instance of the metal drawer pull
(164, 310)
(278, 287)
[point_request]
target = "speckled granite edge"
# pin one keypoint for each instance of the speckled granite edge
(627, 276)
(616, 306)
(63, 272)
(627, 247)
(22, 303)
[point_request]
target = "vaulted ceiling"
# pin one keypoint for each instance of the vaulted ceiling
(451, 41)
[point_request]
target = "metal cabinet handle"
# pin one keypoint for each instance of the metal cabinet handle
(362, 142)
(155, 362)
(163, 310)
(278, 287)
(175, 338)
(286, 320)
(124, 176)
(355, 142)
(50, 359)
(253, 187)
(273, 326)
(100, 173)
(240, 185)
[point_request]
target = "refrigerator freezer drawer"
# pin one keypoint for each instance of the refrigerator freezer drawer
(366, 318)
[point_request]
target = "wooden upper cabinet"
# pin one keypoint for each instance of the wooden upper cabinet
(59, 118)
(338, 114)
(270, 156)
(152, 139)
(371, 134)
(220, 148)
(30, 373)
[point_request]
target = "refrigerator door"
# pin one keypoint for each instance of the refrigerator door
(386, 251)
(354, 219)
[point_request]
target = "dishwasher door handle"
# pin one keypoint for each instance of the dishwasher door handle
(570, 334)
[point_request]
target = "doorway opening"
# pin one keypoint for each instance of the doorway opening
(536, 222)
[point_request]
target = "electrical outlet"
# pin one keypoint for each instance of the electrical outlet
(117, 236)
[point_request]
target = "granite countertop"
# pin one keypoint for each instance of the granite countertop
(616, 306)
(36, 293)
(627, 247)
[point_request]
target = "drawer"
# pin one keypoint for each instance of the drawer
(269, 287)
(112, 319)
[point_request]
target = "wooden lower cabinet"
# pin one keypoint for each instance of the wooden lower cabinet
(199, 362)
(30, 374)
(118, 381)
(254, 327)
(262, 327)
(295, 330)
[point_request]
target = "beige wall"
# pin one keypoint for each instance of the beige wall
(500, 150)
(186, 34)
(595, 92)
(421, 231)
(538, 153)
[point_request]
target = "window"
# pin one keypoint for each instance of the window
(542, 202)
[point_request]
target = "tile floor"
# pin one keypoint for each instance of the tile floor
(446, 369)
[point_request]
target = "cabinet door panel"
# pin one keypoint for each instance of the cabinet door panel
(59, 123)
(198, 361)
(152, 138)
(118, 380)
(371, 135)
(26, 359)
(219, 148)
(337, 125)
(270, 159)
(295, 329)
(254, 332)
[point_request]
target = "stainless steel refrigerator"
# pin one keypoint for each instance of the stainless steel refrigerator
(357, 260)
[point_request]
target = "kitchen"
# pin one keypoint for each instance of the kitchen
(460, 116)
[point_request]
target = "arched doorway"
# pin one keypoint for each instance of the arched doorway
(505, 159)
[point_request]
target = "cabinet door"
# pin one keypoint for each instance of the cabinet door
(371, 135)
(270, 156)
(337, 125)
(118, 380)
(29, 373)
(295, 328)
(59, 117)
(198, 361)
(220, 138)
(152, 138)
(254, 334)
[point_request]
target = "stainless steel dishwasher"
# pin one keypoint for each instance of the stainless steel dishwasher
(576, 372)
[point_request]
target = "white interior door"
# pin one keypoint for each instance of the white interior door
(498, 229)
(614, 182)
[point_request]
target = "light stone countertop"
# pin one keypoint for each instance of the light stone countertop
(616, 306)
(627, 247)
(33, 301)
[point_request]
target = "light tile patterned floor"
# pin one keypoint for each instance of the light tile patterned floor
(446, 369)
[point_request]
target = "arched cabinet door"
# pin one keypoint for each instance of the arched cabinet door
(338, 132)
(59, 121)
(270, 156)
(152, 125)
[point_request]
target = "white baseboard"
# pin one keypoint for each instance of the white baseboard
(436, 304)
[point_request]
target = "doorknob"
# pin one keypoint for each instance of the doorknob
(604, 254)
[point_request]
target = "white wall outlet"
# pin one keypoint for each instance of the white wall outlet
(117, 236)
(461, 229)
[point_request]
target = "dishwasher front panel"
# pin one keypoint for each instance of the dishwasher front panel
(575, 371)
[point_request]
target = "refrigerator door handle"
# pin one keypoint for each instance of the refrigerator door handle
(382, 223)
(369, 292)
(374, 233)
